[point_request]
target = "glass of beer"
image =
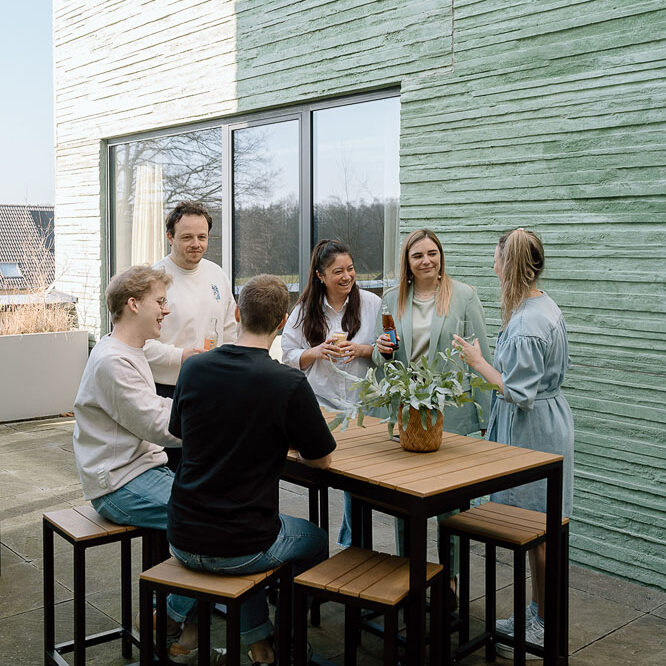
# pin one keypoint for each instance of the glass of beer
(338, 337)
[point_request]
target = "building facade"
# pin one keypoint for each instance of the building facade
(294, 120)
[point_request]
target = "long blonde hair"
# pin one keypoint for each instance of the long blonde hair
(443, 297)
(521, 254)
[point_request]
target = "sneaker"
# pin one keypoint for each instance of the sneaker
(171, 638)
(533, 634)
(508, 626)
(177, 654)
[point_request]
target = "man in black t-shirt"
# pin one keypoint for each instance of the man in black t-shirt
(238, 412)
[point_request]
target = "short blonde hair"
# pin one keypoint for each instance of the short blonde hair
(133, 282)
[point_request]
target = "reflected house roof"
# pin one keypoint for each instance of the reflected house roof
(26, 241)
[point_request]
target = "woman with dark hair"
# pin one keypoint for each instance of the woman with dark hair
(333, 320)
(531, 359)
(429, 307)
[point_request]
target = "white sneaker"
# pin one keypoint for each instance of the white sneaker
(177, 654)
(508, 626)
(533, 634)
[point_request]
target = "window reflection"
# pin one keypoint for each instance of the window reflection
(356, 184)
(266, 203)
(150, 177)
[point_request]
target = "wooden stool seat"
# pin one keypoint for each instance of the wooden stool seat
(84, 528)
(500, 522)
(171, 572)
(362, 578)
(83, 522)
(516, 529)
(172, 577)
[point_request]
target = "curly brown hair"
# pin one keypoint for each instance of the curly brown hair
(186, 208)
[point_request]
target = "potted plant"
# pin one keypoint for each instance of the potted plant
(414, 396)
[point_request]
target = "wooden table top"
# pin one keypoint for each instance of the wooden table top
(368, 453)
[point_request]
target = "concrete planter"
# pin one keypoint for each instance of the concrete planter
(40, 373)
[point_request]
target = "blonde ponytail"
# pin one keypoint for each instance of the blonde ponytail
(521, 254)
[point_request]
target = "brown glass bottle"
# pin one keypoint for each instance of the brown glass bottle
(389, 328)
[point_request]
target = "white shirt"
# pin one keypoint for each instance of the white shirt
(121, 423)
(332, 389)
(195, 297)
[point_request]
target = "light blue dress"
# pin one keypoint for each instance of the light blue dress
(532, 355)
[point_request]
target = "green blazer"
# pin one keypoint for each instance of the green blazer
(466, 315)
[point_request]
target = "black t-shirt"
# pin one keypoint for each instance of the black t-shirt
(237, 412)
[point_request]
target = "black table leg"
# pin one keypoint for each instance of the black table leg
(553, 564)
(49, 591)
(416, 607)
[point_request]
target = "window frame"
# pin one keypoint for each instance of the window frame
(301, 112)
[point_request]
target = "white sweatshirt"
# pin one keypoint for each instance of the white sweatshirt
(195, 297)
(121, 423)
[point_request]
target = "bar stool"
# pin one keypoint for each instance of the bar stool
(317, 514)
(171, 576)
(518, 530)
(361, 578)
(84, 528)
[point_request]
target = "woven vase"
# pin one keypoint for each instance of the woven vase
(415, 438)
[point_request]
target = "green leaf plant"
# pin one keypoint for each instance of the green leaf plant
(427, 388)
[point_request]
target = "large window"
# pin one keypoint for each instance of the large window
(274, 184)
(356, 186)
(265, 231)
(149, 177)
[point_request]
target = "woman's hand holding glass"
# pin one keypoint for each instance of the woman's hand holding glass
(327, 350)
(469, 352)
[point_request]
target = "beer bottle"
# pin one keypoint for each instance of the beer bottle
(389, 327)
(210, 341)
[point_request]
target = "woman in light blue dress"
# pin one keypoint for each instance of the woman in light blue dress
(529, 410)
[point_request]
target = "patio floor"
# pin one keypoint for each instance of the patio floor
(611, 621)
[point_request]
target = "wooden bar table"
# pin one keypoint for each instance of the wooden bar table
(376, 469)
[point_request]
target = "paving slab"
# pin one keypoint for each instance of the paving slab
(21, 590)
(23, 534)
(639, 596)
(641, 642)
(8, 557)
(660, 612)
(22, 642)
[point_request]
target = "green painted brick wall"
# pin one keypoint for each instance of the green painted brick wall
(545, 114)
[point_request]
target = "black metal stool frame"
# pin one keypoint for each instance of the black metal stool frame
(53, 651)
(490, 637)
(282, 576)
(353, 607)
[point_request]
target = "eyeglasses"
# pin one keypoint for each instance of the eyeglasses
(163, 303)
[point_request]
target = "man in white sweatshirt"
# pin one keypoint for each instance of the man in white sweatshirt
(200, 298)
(121, 423)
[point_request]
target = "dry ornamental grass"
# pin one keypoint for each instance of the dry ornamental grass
(29, 311)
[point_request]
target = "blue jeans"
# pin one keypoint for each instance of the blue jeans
(142, 502)
(345, 534)
(299, 541)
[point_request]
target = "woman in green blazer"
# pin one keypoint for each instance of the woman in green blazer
(428, 308)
